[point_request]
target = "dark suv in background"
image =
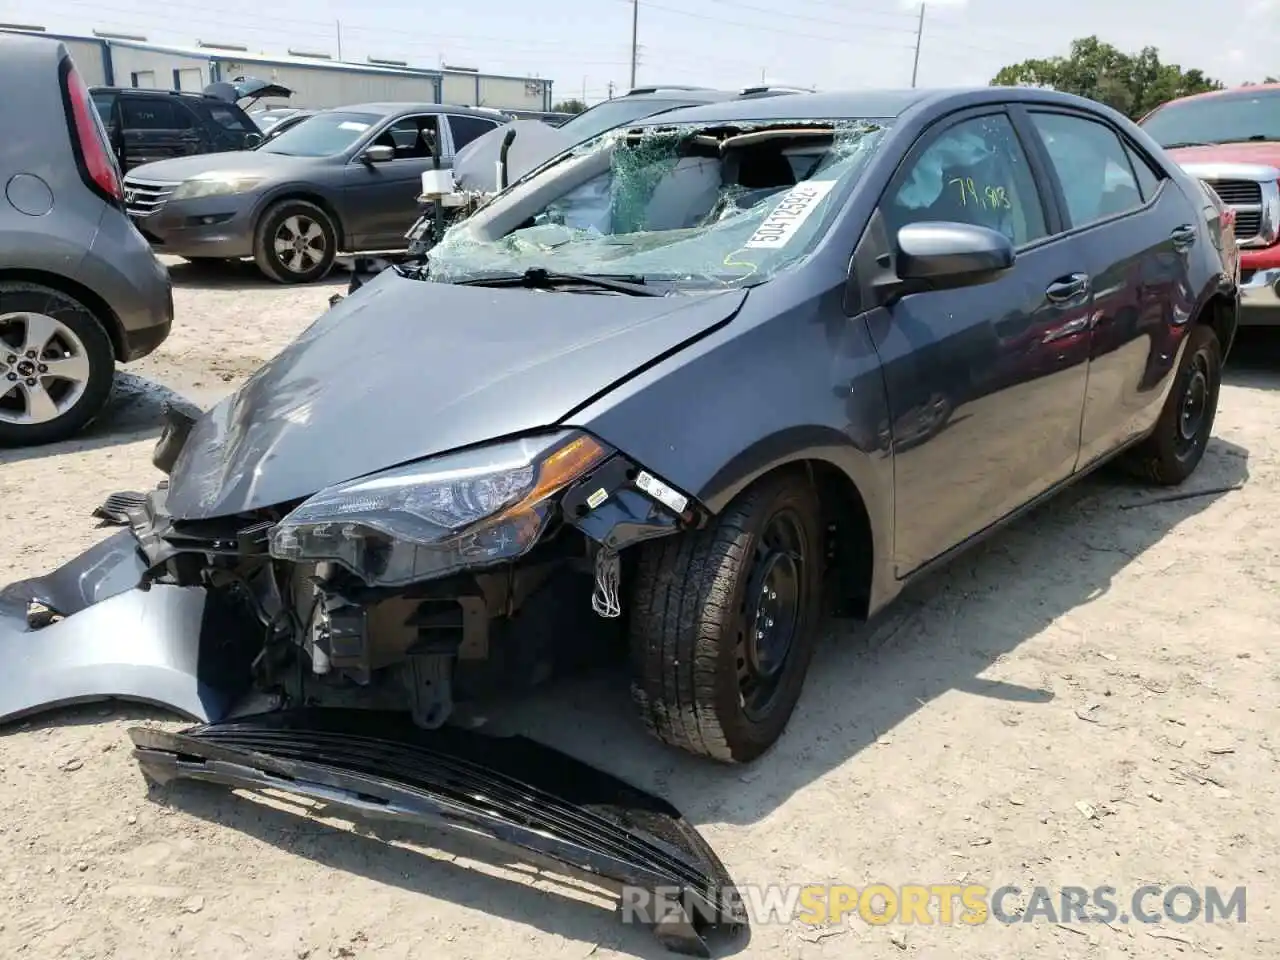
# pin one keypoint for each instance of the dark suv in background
(148, 125)
(80, 289)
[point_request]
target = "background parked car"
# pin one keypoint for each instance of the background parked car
(1231, 140)
(79, 288)
(144, 126)
(276, 120)
(344, 179)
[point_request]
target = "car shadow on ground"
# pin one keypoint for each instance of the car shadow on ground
(1255, 359)
(939, 638)
(240, 275)
(135, 412)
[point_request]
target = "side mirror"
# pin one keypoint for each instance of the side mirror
(378, 153)
(941, 254)
(252, 140)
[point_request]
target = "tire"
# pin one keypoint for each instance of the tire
(692, 612)
(44, 332)
(310, 261)
(1176, 447)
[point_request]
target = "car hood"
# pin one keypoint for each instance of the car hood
(405, 369)
(241, 162)
(1258, 152)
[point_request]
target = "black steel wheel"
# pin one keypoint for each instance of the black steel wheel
(724, 622)
(1172, 453)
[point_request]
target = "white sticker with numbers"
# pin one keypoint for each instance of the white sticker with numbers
(787, 217)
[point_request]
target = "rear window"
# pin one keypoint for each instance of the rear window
(229, 119)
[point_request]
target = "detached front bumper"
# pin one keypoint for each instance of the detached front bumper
(523, 797)
(87, 632)
(1260, 298)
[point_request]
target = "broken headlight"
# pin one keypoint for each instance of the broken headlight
(436, 517)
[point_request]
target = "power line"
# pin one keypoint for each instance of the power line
(762, 27)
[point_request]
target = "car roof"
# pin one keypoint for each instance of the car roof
(153, 92)
(871, 104)
(387, 108)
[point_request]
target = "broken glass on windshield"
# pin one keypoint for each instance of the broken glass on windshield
(717, 205)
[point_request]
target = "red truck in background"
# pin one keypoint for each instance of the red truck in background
(1231, 140)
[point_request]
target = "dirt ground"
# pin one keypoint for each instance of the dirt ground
(1089, 699)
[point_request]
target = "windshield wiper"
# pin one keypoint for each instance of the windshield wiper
(1178, 144)
(542, 278)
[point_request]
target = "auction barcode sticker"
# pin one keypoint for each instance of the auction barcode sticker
(781, 225)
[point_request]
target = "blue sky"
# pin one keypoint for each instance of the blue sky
(586, 45)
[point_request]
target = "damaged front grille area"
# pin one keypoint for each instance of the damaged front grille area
(526, 797)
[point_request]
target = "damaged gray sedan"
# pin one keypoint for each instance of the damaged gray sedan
(687, 387)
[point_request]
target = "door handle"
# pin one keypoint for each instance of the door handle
(1069, 288)
(1183, 236)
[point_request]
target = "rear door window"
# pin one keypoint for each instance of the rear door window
(154, 113)
(466, 129)
(1097, 178)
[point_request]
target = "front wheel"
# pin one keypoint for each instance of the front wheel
(724, 622)
(56, 365)
(296, 242)
(1172, 453)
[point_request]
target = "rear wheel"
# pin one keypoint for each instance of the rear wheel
(56, 365)
(296, 242)
(1172, 453)
(724, 622)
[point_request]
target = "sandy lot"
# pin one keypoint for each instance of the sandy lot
(1089, 699)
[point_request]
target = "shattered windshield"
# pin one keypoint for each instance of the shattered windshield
(688, 204)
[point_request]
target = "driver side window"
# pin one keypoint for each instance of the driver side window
(412, 138)
(974, 172)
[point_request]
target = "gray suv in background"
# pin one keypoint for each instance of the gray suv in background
(343, 180)
(80, 289)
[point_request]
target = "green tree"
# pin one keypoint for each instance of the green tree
(1131, 83)
(569, 106)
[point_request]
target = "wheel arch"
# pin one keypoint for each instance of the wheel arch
(1221, 313)
(93, 301)
(854, 490)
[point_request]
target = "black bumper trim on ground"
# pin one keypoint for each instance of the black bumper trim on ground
(548, 807)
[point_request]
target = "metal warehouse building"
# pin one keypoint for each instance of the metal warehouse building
(316, 80)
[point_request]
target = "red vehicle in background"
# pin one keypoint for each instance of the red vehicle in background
(1231, 140)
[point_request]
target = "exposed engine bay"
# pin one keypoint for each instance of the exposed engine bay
(355, 608)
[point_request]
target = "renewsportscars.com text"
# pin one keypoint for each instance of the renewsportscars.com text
(944, 904)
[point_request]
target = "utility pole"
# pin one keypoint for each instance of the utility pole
(635, 27)
(915, 67)
(584, 91)
(610, 89)
(339, 22)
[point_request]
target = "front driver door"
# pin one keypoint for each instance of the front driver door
(985, 383)
(383, 197)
